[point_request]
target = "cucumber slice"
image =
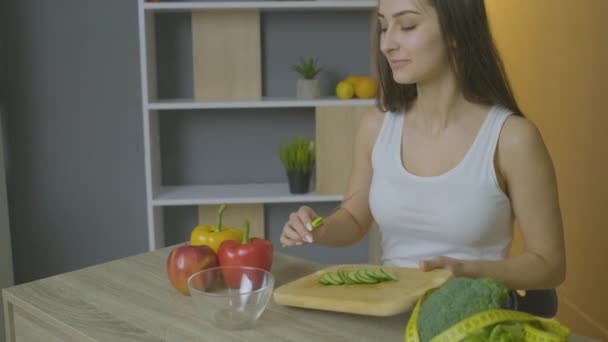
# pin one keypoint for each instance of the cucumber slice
(353, 276)
(372, 273)
(336, 278)
(389, 274)
(377, 274)
(328, 279)
(357, 276)
(345, 277)
(331, 279)
(362, 275)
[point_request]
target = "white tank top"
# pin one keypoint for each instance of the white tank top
(462, 213)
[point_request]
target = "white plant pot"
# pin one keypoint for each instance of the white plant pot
(308, 90)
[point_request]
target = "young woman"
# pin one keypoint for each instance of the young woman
(447, 162)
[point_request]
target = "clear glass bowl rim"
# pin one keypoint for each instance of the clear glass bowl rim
(270, 283)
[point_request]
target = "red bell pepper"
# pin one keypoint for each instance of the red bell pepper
(252, 252)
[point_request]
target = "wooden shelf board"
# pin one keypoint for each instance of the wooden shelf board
(269, 102)
(234, 193)
(262, 5)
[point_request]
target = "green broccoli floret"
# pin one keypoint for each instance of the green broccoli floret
(456, 300)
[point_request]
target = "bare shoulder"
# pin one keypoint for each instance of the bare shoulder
(370, 126)
(519, 134)
(521, 146)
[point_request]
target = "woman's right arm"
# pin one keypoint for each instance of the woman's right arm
(349, 224)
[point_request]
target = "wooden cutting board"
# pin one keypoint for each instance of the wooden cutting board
(381, 299)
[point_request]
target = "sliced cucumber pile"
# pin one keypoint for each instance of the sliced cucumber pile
(362, 276)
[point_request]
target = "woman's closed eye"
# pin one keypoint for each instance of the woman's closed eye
(403, 28)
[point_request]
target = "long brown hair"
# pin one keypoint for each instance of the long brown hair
(473, 55)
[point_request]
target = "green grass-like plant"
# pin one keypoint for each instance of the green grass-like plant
(308, 68)
(299, 155)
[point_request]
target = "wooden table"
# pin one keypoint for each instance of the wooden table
(131, 300)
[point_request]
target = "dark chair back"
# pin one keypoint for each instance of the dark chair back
(542, 303)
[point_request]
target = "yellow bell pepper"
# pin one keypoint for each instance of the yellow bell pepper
(213, 236)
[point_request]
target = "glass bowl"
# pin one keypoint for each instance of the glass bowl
(231, 297)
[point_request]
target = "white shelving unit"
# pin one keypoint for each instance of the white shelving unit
(264, 103)
(263, 5)
(159, 196)
(234, 193)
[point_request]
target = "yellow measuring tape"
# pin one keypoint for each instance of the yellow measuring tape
(552, 330)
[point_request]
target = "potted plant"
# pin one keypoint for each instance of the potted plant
(307, 86)
(298, 158)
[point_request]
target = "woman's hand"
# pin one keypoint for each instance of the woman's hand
(454, 265)
(299, 227)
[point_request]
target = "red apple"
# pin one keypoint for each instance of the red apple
(186, 260)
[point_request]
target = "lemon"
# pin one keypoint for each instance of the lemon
(365, 88)
(345, 90)
(352, 79)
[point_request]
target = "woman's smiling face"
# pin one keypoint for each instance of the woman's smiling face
(411, 40)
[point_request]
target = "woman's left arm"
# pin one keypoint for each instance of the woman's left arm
(524, 163)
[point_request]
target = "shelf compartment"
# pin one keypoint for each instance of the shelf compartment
(268, 102)
(226, 55)
(262, 5)
(336, 129)
(234, 194)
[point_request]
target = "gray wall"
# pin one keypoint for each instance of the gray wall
(76, 189)
(6, 260)
(76, 186)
